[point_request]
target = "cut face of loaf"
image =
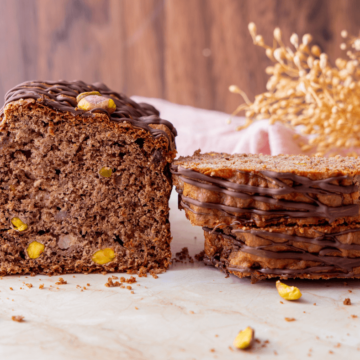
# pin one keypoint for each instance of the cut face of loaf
(259, 190)
(83, 191)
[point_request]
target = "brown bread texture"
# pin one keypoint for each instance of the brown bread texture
(51, 155)
(274, 216)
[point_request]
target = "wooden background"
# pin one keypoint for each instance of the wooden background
(186, 51)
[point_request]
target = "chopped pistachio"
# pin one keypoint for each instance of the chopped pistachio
(105, 172)
(18, 224)
(35, 249)
(103, 256)
(85, 94)
(244, 338)
(288, 292)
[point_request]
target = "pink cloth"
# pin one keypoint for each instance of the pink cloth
(209, 131)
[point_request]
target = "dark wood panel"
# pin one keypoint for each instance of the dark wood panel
(187, 51)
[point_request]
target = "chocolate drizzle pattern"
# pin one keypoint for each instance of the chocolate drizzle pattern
(338, 266)
(61, 96)
(301, 184)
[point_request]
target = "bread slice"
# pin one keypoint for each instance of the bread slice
(315, 252)
(218, 189)
(85, 181)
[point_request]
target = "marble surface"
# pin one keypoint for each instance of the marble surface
(184, 314)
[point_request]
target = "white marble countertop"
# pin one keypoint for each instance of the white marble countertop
(183, 314)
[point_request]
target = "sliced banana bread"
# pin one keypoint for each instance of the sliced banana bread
(312, 252)
(85, 181)
(260, 190)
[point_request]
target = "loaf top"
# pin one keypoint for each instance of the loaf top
(62, 95)
(314, 167)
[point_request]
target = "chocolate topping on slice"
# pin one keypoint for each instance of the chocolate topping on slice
(61, 96)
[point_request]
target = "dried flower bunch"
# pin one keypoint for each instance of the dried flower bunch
(304, 89)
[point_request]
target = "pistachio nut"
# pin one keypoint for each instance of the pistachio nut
(35, 249)
(85, 94)
(105, 172)
(244, 338)
(288, 292)
(95, 102)
(18, 224)
(103, 256)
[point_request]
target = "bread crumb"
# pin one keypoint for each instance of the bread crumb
(200, 256)
(29, 286)
(136, 308)
(354, 316)
(230, 348)
(191, 312)
(212, 350)
(61, 282)
(133, 292)
(331, 352)
(131, 280)
(281, 302)
(290, 319)
(350, 291)
(87, 284)
(41, 286)
(315, 304)
(129, 287)
(11, 288)
(347, 301)
(17, 318)
(337, 345)
(110, 283)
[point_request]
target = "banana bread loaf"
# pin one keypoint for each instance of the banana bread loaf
(85, 181)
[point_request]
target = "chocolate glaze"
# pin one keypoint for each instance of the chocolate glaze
(331, 265)
(301, 184)
(61, 96)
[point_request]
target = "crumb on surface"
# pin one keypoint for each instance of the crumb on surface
(61, 282)
(281, 302)
(11, 288)
(212, 350)
(129, 287)
(290, 319)
(29, 285)
(41, 286)
(347, 301)
(350, 291)
(230, 348)
(183, 256)
(18, 318)
(133, 292)
(200, 256)
(136, 308)
(110, 283)
(354, 316)
(314, 304)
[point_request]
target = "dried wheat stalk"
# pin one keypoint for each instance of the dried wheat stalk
(304, 89)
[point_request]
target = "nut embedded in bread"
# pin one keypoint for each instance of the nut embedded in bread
(83, 190)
